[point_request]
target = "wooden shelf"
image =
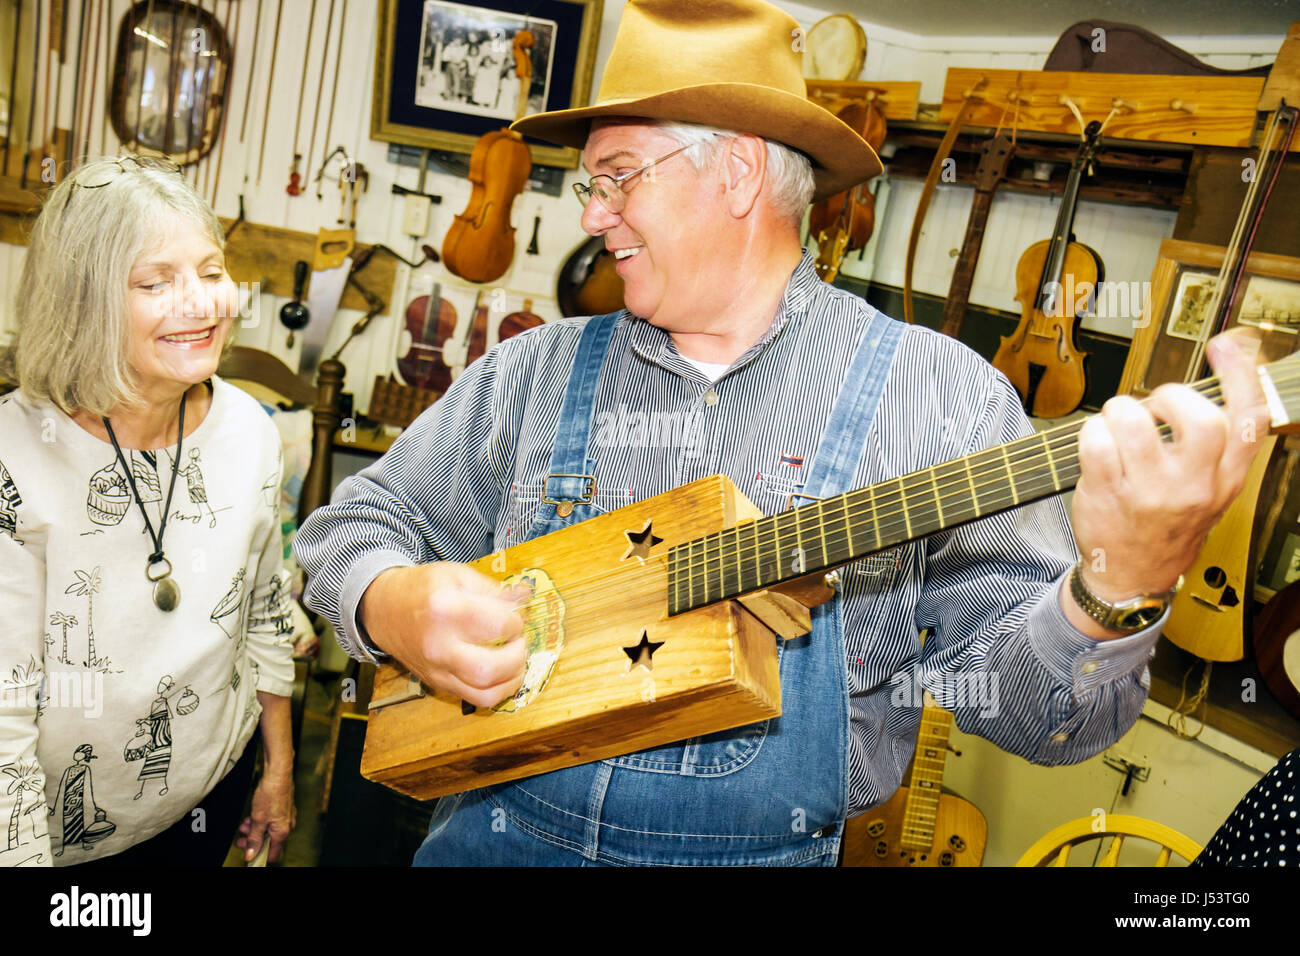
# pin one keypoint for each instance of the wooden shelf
(1193, 110)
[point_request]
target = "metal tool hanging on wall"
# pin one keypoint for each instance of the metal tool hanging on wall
(294, 315)
(295, 179)
(270, 85)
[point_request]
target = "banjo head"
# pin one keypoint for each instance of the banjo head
(836, 49)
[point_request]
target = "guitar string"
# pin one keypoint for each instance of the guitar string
(920, 487)
(1045, 445)
(691, 572)
(1041, 446)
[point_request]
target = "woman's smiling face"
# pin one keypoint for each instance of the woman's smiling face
(182, 303)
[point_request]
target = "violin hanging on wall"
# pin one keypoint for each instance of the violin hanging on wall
(480, 244)
(1040, 357)
(844, 222)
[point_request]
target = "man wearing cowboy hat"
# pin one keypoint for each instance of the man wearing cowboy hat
(788, 386)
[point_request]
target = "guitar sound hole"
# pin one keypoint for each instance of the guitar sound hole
(956, 842)
(876, 828)
(946, 858)
(882, 849)
(1215, 577)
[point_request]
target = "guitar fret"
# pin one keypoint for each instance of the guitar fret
(875, 515)
(690, 576)
(740, 564)
(938, 504)
(1056, 481)
(848, 525)
(821, 522)
(1015, 497)
(902, 501)
(797, 562)
(970, 480)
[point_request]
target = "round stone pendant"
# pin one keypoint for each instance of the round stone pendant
(166, 592)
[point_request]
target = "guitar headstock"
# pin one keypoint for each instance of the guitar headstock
(995, 158)
(1281, 383)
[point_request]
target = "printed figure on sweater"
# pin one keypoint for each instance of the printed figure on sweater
(153, 735)
(81, 822)
(87, 585)
(23, 779)
(9, 502)
(226, 614)
(273, 610)
(198, 490)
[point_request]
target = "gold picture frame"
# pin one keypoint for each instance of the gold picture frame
(1165, 338)
(417, 101)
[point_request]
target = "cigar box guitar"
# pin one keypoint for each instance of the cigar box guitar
(659, 621)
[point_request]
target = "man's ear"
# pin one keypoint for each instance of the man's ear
(744, 168)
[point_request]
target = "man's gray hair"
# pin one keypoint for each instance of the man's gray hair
(73, 307)
(789, 171)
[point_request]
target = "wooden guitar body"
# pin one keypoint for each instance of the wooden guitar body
(1040, 357)
(594, 598)
(876, 837)
(1277, 646)
(1208, 616)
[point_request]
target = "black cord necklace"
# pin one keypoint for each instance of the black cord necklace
(166, 592)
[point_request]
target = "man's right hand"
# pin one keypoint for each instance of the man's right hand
(452, 627)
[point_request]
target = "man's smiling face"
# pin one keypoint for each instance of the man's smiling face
(662, 237)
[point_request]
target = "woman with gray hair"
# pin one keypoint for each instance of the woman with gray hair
(123, 308)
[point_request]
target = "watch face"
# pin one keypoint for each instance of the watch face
(1140, 617)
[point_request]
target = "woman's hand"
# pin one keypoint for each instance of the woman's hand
(273, 816)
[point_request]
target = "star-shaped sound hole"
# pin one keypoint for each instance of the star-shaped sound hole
(640, 542)
(641, 654)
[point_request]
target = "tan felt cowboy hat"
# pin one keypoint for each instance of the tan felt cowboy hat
(733, 64)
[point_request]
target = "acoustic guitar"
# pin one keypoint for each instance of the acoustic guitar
(1277, 647)
(1040, 357)
(920, 825)
(658, 621)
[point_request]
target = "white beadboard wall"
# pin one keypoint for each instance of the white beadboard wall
(1126, 237)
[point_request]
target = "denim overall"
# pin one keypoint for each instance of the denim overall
(773, 793)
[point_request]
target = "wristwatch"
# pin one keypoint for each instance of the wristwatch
(1128, 616)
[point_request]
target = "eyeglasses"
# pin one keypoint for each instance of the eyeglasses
(101, 174)
(612, 193)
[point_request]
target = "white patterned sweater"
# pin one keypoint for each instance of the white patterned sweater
(117, 718)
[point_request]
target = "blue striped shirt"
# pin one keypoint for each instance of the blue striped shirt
(465, 478)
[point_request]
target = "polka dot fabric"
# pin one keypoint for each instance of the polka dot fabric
(1264, 829)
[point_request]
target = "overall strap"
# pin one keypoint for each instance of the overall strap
(571, 480)
(846, 431)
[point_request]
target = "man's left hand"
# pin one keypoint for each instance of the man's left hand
(1144, 506)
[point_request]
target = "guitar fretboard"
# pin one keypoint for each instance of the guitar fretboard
(922, 809)
(835, 531)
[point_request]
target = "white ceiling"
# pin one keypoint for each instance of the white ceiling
(1167, 18)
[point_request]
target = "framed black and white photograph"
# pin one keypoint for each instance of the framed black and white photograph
(467, 61)
(1271, 303)
(447, 72)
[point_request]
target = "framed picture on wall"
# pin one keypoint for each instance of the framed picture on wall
(1175, 314)
(445, 71)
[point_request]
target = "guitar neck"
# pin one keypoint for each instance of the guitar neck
(835, 531)
(954, 308)
(926, 784)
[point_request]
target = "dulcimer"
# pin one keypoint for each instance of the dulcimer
(1040, 357)
(659, 621)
